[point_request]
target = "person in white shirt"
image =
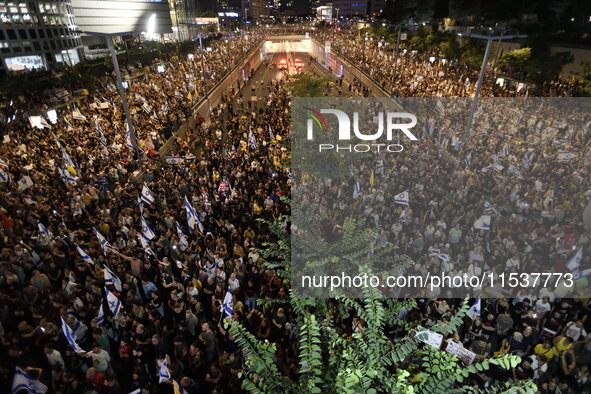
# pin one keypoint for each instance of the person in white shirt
(233, 283)
(575, 330)
(54, 358)
(100, 359)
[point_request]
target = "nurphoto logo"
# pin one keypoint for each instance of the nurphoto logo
(393, 121)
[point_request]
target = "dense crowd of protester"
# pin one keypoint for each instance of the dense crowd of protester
(425, 75)
(68, 190)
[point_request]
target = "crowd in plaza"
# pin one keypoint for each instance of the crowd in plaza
(138, 266)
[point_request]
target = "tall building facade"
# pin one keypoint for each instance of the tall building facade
(350, 8)
(38, 35)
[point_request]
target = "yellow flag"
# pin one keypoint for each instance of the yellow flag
(189, 96)
(371, 178)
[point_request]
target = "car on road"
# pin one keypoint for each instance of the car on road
(283, 64)
(298, 64)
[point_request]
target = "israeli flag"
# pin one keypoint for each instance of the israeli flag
(163, 374)
(147, 196)
(113, 302)
(482, 223)
(24, 381)
(147, 107)
(100, 319)
(192, 218)
(489, 208)
(146, 245)
(513, 170)
(184, 243)
(140, 204)
(518, 120)
(402, 198)
(67, 159)
(566, 156)
(102, 138)
(84, 256)
(137, 391)
(111, 278)
(252, 142)
(468, 159)
(45, 233)
(71, 337)
(77, 115)
(474, 310)
(380, 167)
(147, 231)
(528, 159)
(504, 150)
(4, 177)
(356, 190)
(105, 245)
(574, 263)
(128, 136)
(155, 117)
(227, 304)
(66, 176)
(403, 216)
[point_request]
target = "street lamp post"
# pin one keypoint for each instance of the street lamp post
(109, 37)
(490, 36)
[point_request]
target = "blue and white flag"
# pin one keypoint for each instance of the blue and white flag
(102, 138)
(437, 253)
(566, 156)
(155, 117)
(403, 216)
(128, 140)
(504, 150)
(227, 305)
(4, 177)
(468, 159)
(111, 278)
(67, 159)
(71, 337)
(380, 167)
(3, 163)
(105, 245)
(489, 208)
(482, 223)
(184, 243)
(513, 170)
(252, 142)
(357, 190)
(66, 176)
(147, 107)
(146, 245)
(113, 302)
(402, 198)
(84, 256)
(518, 120)
(140, 204)
(474, 310)
(45, 233)
(271, 135)
(192, 218)
(163, 374)
(146, 230)
(528, 159)
(147, 196)
(77, 115)
(574, 264)
(24, 381)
